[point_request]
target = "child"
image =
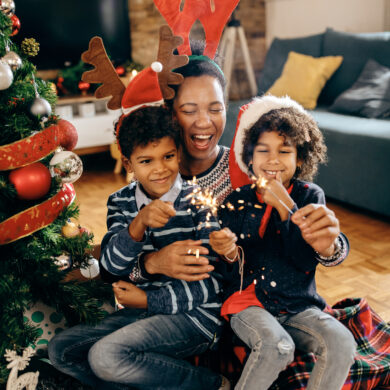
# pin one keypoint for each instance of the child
(275, 307)
(164, 321)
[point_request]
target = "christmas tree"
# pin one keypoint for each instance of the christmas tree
(40, 239)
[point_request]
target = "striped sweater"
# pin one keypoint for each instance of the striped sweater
(200, 300)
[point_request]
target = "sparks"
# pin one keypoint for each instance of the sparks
(262, 182)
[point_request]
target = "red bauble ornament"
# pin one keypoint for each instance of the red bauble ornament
(67, 134)
(120, 70)
(83, 87)
(31, 182)
(15, 25)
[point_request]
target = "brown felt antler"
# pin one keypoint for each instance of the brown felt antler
(104, 72)
(169, 61)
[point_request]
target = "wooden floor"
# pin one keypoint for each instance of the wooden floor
(365, 273)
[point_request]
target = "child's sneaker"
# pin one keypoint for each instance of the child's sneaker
(225, 385)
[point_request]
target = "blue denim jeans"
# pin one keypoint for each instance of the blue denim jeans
(273, 340)
(130, 350)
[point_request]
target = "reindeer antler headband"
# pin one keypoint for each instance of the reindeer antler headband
(149, 87)
(213, 14)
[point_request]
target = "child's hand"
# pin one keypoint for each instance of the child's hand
(319, 227)
(129, 295)
(223, 242)
(275, 188)
(156, 214)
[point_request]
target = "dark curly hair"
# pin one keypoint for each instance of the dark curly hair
(198, 68)
(291, 123)
(145, 125)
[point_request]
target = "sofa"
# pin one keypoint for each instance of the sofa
(358, 167)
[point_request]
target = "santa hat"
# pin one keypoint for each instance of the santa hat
(249, 114)
(143, 90)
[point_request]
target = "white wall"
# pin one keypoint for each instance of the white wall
(295, 18)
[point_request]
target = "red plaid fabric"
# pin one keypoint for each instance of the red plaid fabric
(371, 369)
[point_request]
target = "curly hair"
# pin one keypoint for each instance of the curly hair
(295, 125)
(198, 68)
(147, 124)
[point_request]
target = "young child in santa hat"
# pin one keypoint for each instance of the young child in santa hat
(271, 254)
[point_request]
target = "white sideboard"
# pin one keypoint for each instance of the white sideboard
(94, 124)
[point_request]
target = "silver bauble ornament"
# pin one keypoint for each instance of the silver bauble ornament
(13, 60)
(67, 166)
(6, 76)
(40, 107)
(63, 261)
(91, 270)
(7, 7)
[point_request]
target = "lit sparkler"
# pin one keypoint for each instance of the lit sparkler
(203, 199)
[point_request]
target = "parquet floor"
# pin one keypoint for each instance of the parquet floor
(365, 273)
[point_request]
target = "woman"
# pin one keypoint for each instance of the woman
(200, 108)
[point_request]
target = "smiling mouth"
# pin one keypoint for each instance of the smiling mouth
(270, 174)
(161, 181)
(201, 141)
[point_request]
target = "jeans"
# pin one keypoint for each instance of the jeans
(273, 340)
(130, 349)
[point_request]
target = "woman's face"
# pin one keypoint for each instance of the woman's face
(200, 110)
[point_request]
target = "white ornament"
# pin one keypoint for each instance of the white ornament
(6, 76)
(92, 270)
(66, 165)
(157, 66)
(63, 261)
(28, 380)
(13, 60)
(7, 7)
(41, 107)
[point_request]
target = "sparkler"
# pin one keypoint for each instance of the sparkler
(262, 182)
(203, 199)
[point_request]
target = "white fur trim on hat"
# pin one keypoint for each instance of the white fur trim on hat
(148, 104)
(251, 114)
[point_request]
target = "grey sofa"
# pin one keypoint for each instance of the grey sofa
(358, 168)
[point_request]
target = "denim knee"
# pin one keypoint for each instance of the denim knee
(100, 364)
(282, 349)
(340, 342)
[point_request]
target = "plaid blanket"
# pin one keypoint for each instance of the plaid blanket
(371, 369)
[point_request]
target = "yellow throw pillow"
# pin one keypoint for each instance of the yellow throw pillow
(303, 77)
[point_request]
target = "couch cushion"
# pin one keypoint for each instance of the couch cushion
(277, 56)
(303, 77)
(356, 49)
(369, 96)
(358, 160)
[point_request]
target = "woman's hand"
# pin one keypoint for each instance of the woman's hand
(224, 242)
(129, 295)
(319, 227)
(177, 261)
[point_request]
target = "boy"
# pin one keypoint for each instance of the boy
(272, 300)
(164, 321)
